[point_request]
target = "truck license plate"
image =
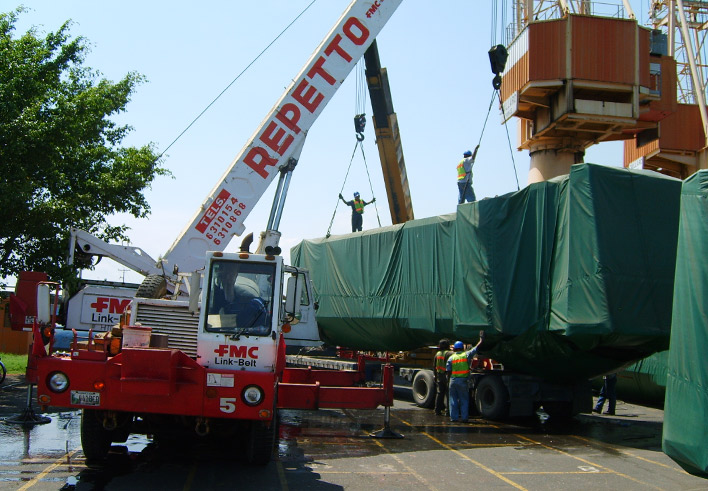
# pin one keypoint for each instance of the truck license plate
(81, 398)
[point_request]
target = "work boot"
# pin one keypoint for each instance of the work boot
(596, 410)
(609, 413)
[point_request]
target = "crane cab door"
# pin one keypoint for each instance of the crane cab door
(304, 331)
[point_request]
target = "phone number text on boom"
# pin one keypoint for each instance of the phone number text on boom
(219, 219)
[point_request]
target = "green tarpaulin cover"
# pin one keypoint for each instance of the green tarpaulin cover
(569, 278)
(685, 437)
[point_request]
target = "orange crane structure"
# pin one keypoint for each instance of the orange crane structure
(677, 147)
(577, 75)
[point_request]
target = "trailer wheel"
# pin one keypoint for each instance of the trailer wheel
(424, 389)
(153, 286)
(261, 440)
(95, 439)
(492, 398)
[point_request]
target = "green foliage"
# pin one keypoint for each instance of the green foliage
(62, 163)
(14, 363)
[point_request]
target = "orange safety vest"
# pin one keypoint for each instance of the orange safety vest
(440, 361)
(460, 365)
(359, 206)
(461, 170)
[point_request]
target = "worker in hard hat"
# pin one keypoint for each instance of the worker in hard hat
(464, 177)
(357, 205)
(441, 376)
(458, 367)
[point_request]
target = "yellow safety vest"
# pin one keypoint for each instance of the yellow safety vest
(461, 170)
(440, 361)
(359, 206)
(460, 365)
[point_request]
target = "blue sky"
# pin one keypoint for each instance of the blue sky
(436, 56)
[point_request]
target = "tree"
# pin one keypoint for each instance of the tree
(61, 160)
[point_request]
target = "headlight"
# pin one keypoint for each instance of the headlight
(58, 382)
(252, 395)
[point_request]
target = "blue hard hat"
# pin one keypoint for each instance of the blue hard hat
(356, 194)
(467, 154)
(459, 345)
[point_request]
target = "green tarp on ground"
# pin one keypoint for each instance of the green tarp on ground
(685, 437)
(569, 278)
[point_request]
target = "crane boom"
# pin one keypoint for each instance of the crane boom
(282, 132)
(388, 138)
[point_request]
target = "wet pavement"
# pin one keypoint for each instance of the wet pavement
(331, 449)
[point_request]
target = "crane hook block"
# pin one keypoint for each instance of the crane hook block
(359, 125)
(497, 57)
(496, 82)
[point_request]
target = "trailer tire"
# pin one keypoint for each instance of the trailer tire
(492, 398)
(153, 286)
(424, 389)
(261, 441)
(95, 439)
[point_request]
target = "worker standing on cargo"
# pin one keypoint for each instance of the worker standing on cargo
(357, 205)
(607, 393)
(458, 366)
(464, 177)
(441, 378)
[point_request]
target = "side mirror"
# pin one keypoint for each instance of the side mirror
(194, 291)
(44, 304)
(293, 295)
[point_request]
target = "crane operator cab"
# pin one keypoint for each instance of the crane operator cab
(240, 316)
(247, 310)
(240, 298)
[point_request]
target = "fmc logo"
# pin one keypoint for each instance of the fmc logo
(114, 305)
(234, 351)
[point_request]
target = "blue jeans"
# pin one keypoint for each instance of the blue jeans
(465, 193)
(608, 393)
(459, 399)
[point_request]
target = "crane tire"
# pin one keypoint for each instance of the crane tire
(153, 286)
(261, 441)
(424, 389)
(95, 439)
(492, 398)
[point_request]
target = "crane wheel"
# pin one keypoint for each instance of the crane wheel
(95, 439)
(153, 286)
(261, 441)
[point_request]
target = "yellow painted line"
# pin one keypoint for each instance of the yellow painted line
(560, 473)
(585, 461)
(493, 445)
(478, 464)
(403, 464)
(47, 470)
(364, 473)
(190, 477)
(631, 454)
(410, 470)
(281, 476)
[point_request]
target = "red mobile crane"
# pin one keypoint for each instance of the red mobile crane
(220, 360)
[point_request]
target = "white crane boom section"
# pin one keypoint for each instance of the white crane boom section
(280, 135)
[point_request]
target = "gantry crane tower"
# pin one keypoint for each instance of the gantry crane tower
(679, 145)
(579, 73)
